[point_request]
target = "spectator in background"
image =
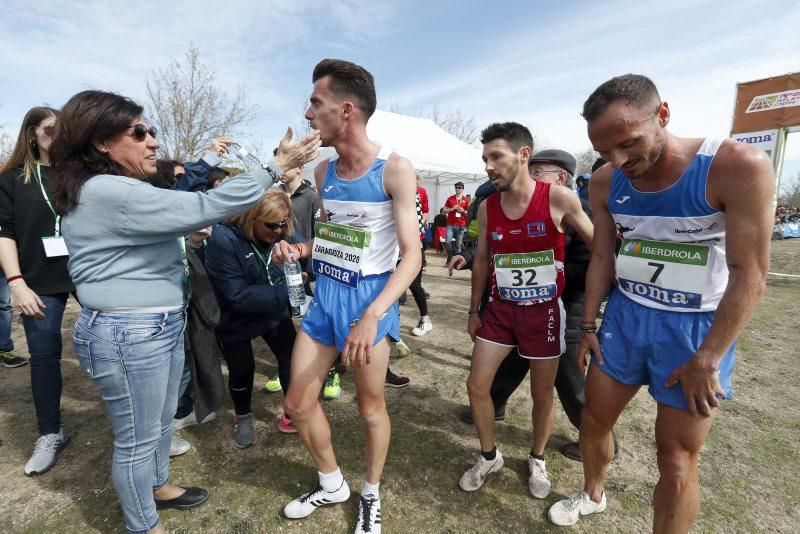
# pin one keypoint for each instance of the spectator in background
(455, 207)
(423, 208)
(582, 186)
(201, 371)
(122, 235)
(36, 268)
(253, 300)
(216, 176)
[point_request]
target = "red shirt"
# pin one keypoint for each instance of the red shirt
(422, 207)
(454, 218)
(533, 232)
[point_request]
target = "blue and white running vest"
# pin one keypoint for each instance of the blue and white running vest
(673, 251)
(363, 203)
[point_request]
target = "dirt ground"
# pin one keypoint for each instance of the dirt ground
(749, 468)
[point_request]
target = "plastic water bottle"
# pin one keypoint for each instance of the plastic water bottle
(294, 282)
(250, 161)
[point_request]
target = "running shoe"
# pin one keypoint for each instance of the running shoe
(308, 502)
(332, 387)
(396, 381)
(11, 359)
(244, 435)
(474, 477)
(273, 385)
(285, 425)
(568, 511)
(178, 445)
(191, 419)
(369, 516)
(423, 326)
(538, 483)
(45, 454)
(403, 350)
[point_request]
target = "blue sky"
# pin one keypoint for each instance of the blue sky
(530, 61)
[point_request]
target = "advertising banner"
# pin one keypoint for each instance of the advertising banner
(766, 140)
(767, 104)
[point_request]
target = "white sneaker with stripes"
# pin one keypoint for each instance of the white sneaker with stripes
(308, 502)
(369, 516)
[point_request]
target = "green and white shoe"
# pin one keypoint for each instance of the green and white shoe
(11, 359)
(332, 387)
(273, 385)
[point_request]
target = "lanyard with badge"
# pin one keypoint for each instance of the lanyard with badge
(54, 246)
(264, 262)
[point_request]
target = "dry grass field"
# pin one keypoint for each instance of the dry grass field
(749, 468)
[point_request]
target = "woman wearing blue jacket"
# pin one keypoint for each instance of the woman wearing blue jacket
(253, 300)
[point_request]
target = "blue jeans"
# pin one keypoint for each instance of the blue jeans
(457, 233)
(44, 345)
(136, 360)
(6, 315)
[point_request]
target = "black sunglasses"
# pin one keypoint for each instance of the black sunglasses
(275, 226)
(140, 132)
(48, 130)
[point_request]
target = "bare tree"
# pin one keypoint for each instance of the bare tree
(189, 109)
(585, 160)
(455, 123)
(790, 191)
(6, 145)
(451, 121)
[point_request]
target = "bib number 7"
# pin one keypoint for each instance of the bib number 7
(659, 267)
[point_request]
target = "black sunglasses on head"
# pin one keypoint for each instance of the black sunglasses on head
(275, 226)
(140, 132)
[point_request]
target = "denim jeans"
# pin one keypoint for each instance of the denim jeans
(44, 345)
(457, 233)
(6, 315)
(136, 360)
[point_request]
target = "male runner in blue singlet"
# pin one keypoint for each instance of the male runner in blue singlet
(695, 217)
(369, 194)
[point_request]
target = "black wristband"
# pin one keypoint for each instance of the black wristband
(589, 329)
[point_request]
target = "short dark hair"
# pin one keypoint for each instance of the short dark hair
(217, 174)
(634, 88)
(599, 162)
(87, 118)
(349, 80)
(513, 133)
(459, 184)
(164, 178)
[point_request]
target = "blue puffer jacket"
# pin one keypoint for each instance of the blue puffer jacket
(249, 305)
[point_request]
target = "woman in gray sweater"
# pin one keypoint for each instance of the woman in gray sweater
(122, 235)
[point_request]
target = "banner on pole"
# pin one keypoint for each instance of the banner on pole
(767, 104)
(766, 140)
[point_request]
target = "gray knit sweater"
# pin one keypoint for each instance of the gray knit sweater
(123, 236)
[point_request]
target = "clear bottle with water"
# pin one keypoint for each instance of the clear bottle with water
(245, 156)
(294, 282)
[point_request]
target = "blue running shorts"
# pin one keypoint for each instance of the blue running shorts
(643, 346)
(336, 307)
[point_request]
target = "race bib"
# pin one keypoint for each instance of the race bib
(526, 277)
(338, 251)
(670, 274)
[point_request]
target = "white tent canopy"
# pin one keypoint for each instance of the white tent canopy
(440, 158)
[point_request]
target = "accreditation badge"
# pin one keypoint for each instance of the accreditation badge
(525, 277)
(670, 274)
(55, 247)
(338, 252)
